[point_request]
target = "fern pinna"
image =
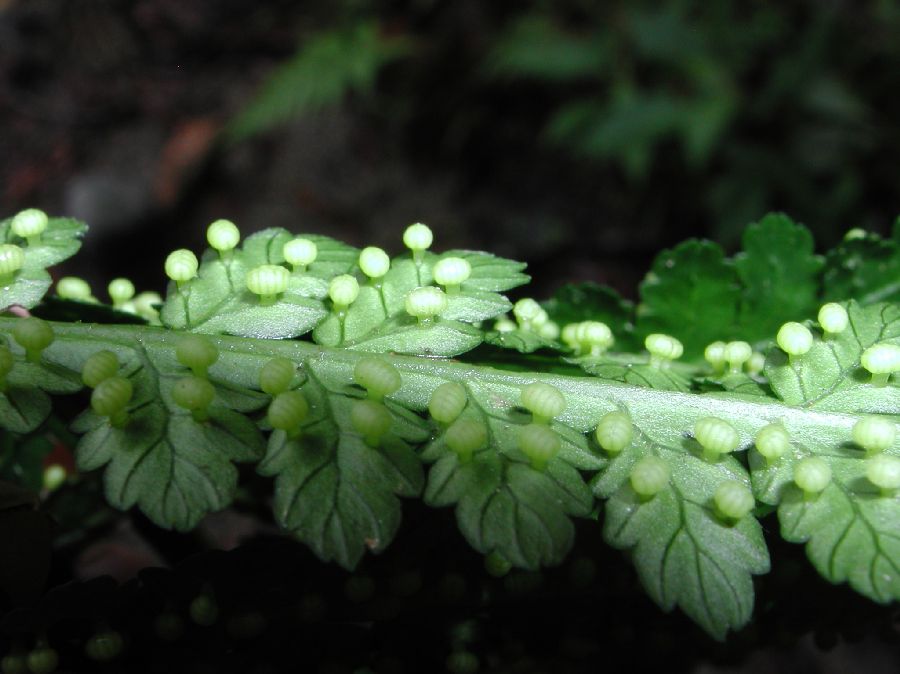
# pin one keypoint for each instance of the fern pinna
(735, 387)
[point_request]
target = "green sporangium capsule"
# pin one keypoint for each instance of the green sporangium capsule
(614, 432)
(812, 475)
(196, 352)
(343, 291)
(425, 303)
(120, 291)
(99, 367)
(300, 253)
(462, 662)
(715, 356)
(882, 360)
(194, 394)
(43, 660)
(111, 397)
(756, 363)
(287, 412)
(772, 442)
(276, 375)
(465, 437)
(104, 646)
(593, 337)
(794, 339)
(733, 501)
(34, 335)
(736, 354)
(543, 401)
(223, 236)
(371, 420)
(374, 262)
(649, 476)
(13, 663)
(7, 360)
(181, 266)
(451, 272)
(11, 260)
(144, 305)
(569, 335)
(874, 434)
(204, 610)
(74, 288)
(549, 331)
(504, 325)
(833, 318)
(663, 349)
(268, 281)
(716, 436)
(526, 311)
(539, 443)
(54, 477)
(377, 376)
(496, 564)
(447, 402)
(884, 472)
(418, 238)
(30, 224)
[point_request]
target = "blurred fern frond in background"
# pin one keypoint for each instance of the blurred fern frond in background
(761, 109)
(331, 65)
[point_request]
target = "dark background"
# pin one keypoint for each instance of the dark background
(580, 136)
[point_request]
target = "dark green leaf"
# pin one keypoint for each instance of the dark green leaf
(780, 274)
(692, 294)
(23, 409)
(577, 302)
(22, 460)
(864, 269)
(24, 404)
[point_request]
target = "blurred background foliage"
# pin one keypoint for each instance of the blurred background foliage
(581, 136)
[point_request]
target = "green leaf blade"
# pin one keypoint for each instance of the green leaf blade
(218, 301)
(850, 537)
(864, 269)
(60, 241)
(684, 555)
(829, 376)
(334, 492)
(691, 293)
(780, 275)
